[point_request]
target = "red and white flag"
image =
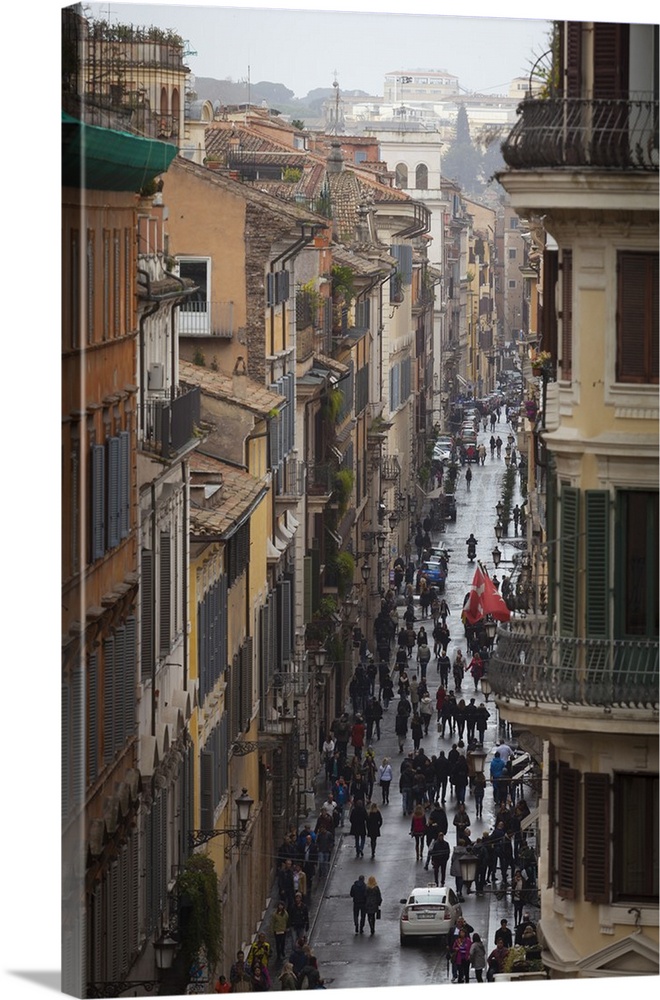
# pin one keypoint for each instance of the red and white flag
(493, 602)
(473, 609)
(484, 599)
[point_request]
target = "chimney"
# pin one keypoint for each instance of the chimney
(239, 378)
(335, 163)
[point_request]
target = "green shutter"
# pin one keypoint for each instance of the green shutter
(597, 522)
(307, 596)
(568, 560)
(551, 534)
(597, 838)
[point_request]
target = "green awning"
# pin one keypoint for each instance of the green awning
(104, 159)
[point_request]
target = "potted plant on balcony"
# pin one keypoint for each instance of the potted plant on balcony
(541, 363)
(531, 410)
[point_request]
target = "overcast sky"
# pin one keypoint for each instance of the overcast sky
(302, 49)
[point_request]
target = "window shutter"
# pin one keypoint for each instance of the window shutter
(119, 688)
(284, 589)
(146, 613)
(98, 501)
(637, 318)
(568, 560)
(130, 652)
(552, 816)
(273, 651)
(223, 758)
(270, 289)
(246, 682)
(597, 838)
(93, 716)
(112, 926)
(206, 769)
(573, 56)
(548, 317)
(124, 484)
(165, 603)
(611, 48)
(567, 315)
(108, 699)
(67, 769)
(567, 833)
(597, 509)
(113, 491)
(78, 737)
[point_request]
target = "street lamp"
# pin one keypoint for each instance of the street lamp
(478, 758)
(469, 863)
(499, 507)
(365, 570)
(393, 519)
(490, 628)
(381, 543)
(164, 949)
(498, 530)
(243, 807)
(485, 686)
(497, 556)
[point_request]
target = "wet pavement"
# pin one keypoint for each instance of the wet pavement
(347, 960)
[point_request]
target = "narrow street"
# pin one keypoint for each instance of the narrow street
(348, 960)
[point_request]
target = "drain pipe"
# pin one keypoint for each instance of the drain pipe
(303, 240)
(186, 570)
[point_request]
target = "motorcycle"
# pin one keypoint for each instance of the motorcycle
(472, 549)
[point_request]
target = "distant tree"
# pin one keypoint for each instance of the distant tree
(462, 162)
(297, 123)
(492, 161)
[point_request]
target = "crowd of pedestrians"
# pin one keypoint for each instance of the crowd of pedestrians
(410, 688)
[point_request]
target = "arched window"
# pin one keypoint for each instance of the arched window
(422, 177)
(401, 175)
(164, 103)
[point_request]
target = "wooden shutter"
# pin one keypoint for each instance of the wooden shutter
(553, 819)
(202, 647)
(119, 687)
(206, 768)
(98, 501)
(112, 445)
(124, 484)
(568, 560)
(548, 319)
(567, 315)
(285, 621)
(130, 660)
(572, 54)
(597, 523)
(165, 587)
(597, 838)
(567, 833)
(93, 717)
(147, 613)
(67, 768)
(246, 659)
(270, 289)
(307, 588)
(108, 699)
(637, 318)
(611, 60)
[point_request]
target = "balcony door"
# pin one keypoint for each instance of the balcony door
(195, 312)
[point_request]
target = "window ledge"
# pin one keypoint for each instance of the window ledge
(633, 402)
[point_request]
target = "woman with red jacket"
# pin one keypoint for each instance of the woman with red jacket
(418, 830)
(357, 736)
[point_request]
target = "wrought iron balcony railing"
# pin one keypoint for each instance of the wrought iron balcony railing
(530, 665)
(571, 132)
(168, 425)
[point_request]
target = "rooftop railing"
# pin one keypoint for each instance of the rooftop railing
(530, 665)
(572, 132)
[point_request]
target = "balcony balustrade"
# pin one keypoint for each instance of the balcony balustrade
(597, 134)
(532, 666)
(206, 319)
(168, 425)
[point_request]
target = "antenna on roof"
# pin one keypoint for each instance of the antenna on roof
(248, 95)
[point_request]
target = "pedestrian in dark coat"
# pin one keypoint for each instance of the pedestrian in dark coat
(358, 821)
(401, 728)
(359, 897)
(299, 916)
(442, 769)
(439, 856)
(374, 823)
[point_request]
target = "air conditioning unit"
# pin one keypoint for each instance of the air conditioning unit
(156, 376)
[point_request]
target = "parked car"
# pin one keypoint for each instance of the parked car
(442, 450)
(429, 911)
(435, 574)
